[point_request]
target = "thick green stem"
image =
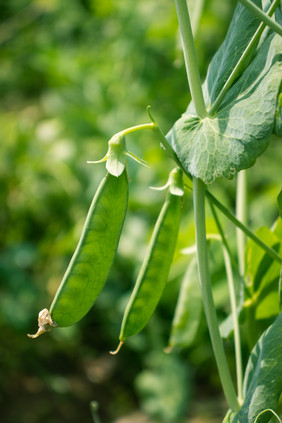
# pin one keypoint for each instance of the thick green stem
(241, 214)
(252, 44)
(190, 58)
(262, 16)
(204, 276)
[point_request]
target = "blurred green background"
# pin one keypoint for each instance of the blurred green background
(73, 73)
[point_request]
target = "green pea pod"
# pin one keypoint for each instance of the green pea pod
(188, 311)
(91, 262)
(155, 268)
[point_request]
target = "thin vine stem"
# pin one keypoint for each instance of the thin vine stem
(262, 16)
(94, 406)
(209, 307)
(241, 214)
(137, 128)
(221, 233)
(228, 258)
(190, 57)
(237, 338)
(253, 42)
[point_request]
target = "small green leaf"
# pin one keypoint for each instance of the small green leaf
(279, 201)
(263, 377)
(262, 276)
(116, 155)
(254, 255)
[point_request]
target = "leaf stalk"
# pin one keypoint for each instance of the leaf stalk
(262, 16)
(241, 214)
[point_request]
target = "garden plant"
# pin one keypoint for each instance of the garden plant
(225, 128)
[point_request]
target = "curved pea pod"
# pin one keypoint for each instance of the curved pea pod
(155, 268)
(188, 310)
(91, 262)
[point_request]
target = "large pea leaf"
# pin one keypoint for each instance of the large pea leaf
(241, 29)
(263, 377)
(232, 139)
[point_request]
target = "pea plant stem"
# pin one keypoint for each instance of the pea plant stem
(221, 232)
(209, 307)
(232, 294)
(237, 339)
(252, 44)
(241, 214)
(190, 57)
(262, 16)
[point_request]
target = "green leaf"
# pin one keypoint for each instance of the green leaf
(279, 201)
(228, 417)
(262, 276)
(278, 117)
(188, 311)
(280, 290)
(241, 29)
(270, 413)
(263, 377)
(231, 140)
(254, 256)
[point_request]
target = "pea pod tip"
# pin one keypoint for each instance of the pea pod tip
(118, 348)
(45, 323)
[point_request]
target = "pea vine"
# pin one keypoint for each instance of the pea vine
(224, 129)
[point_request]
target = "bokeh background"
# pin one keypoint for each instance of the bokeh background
(73, 73)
